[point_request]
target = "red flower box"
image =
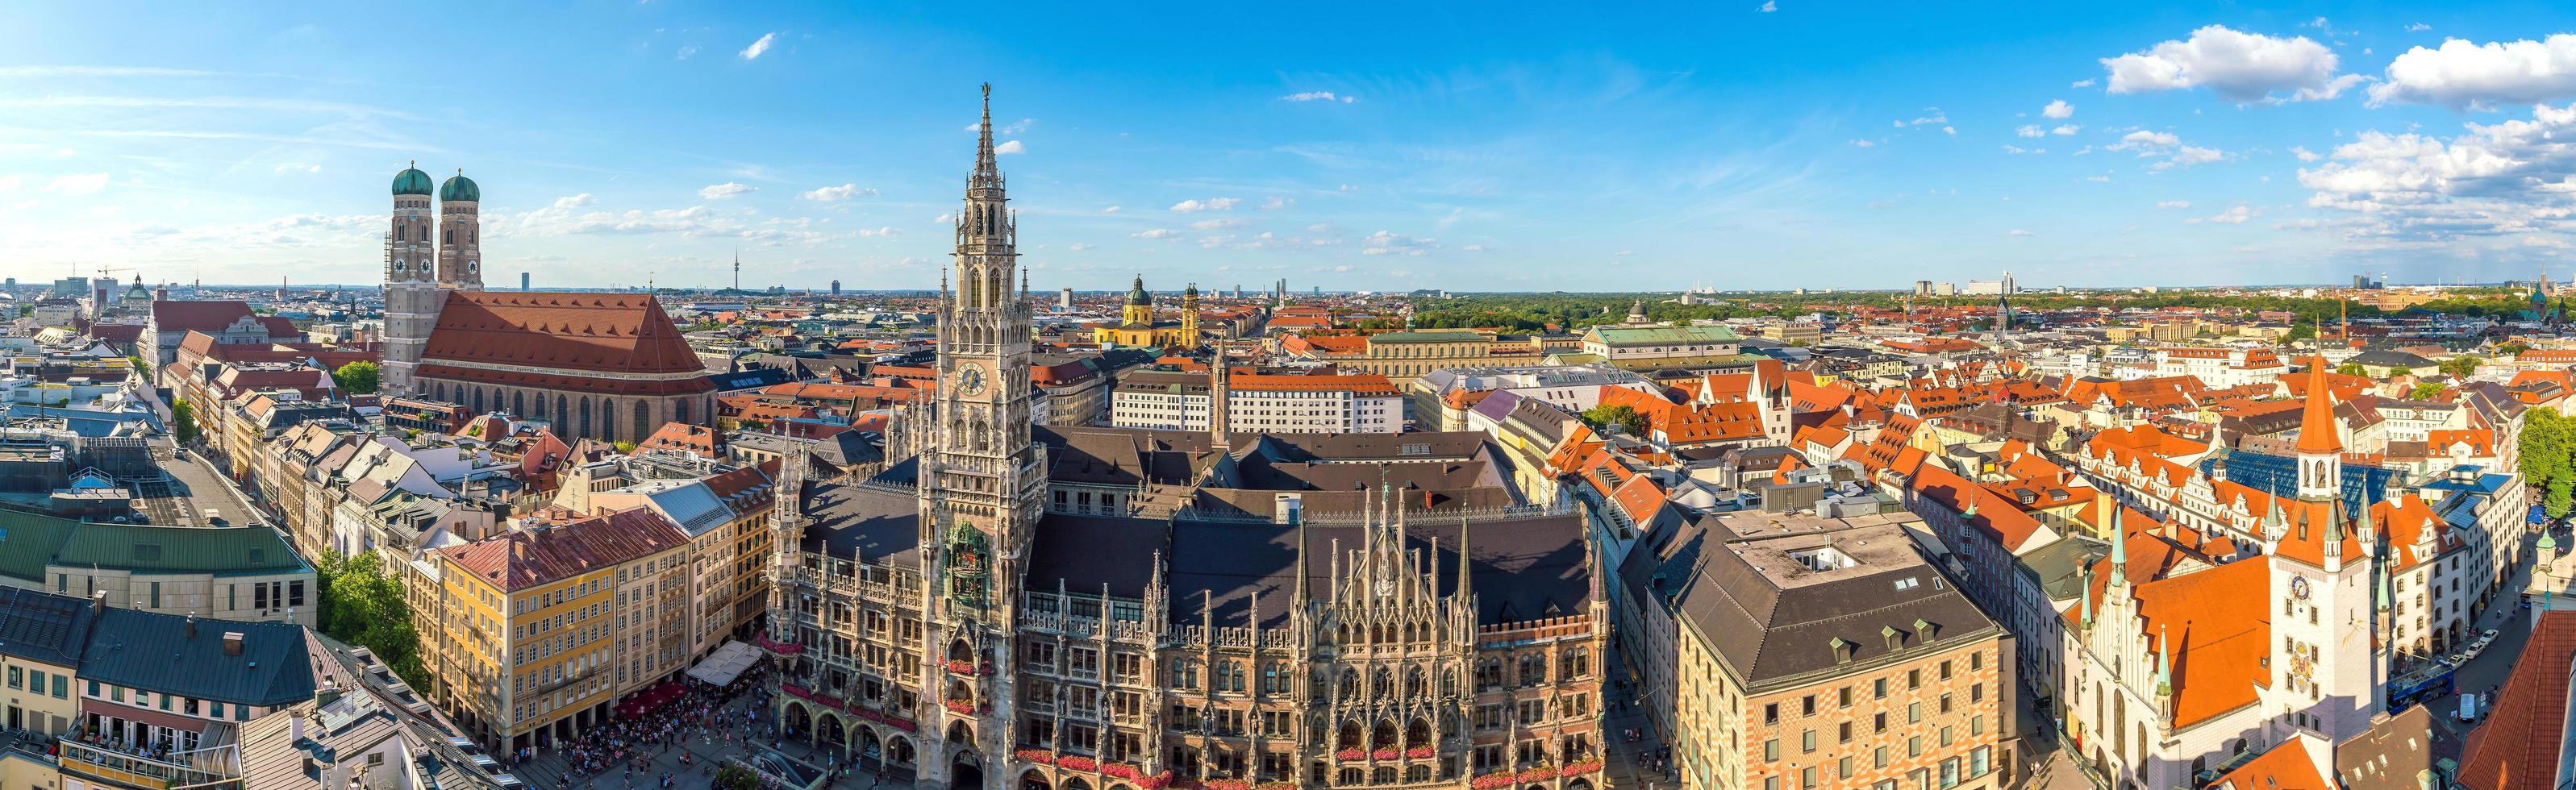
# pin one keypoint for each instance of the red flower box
(1421, 752)
(1155, 782)
(1072, 763)
(1226, 784)
(1581, 767)
(1039, 756)
(1491, 781)
(1536, 774)
(1350, 754)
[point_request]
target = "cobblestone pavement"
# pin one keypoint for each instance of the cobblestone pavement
(1627, 765)
(552, 769)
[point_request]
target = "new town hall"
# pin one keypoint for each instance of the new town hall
(1128, 609)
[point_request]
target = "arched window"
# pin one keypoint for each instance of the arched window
(562, 412)
(584, 430)
(643, 419)
(680, 410)
(518, 403)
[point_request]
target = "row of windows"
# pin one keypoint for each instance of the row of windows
(22, 678)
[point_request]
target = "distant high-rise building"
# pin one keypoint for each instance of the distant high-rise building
(1945, 289)
(1923, 288)
(1064, 299)
(523, 281)
(836, 288)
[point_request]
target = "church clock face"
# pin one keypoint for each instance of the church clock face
(970, 379)
(2299, 587)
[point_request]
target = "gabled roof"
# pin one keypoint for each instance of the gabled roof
(2289, 765)
(2518, 746)
(587, 332)
(158, 652)
(521, 559)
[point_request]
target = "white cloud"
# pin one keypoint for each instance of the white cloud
(1011, 147)
(945, 219)
(1864, 143)
(2031, 130)
(2188, 155)
(726, 190)
(2418, 27)
(838, 193)
(686, 51)
(1473, 247)
(2143, 139)
(1077, 246)
(2494, 179)
(2057, 109)
(2233, 216)
(1769, 6)
(1220, 223)
(1110, 210)
(1390, 243)
(9, 183)
(575, 201)
(82, 184)
(1950, 130)
(2082, 83)
(1931, 115)
(2063, 130)
(2015, 149)
(1157, 233)
(2173, 204)
(1275, 203)
(2019, 232)
(2462, 75)
(1195, 205)
(2245, 68)
(757, 48)
(1318, 96)
(1623, 253)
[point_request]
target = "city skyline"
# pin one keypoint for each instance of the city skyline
(1742, 148)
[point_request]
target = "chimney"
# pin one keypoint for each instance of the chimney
(192, 626)
(232, 643)
(296, 727)
(98, 603)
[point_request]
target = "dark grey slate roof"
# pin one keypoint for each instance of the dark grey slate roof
(874, 522)
(153, 651)
(1086, 552)
(42, 626)
(1767, 632)
(1524, 568)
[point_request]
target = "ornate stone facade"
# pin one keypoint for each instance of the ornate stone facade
(938, 620)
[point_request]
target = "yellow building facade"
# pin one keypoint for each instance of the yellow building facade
(1136, 326)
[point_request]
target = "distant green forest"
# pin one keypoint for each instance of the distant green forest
(1528, 312)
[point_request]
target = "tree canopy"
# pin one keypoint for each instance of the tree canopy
(357, 378)
(363, 606)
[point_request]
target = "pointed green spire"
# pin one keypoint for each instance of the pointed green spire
(2119, 550)
(2164, 666)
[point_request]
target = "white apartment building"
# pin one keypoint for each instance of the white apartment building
(1272, 403)
(2221, 367)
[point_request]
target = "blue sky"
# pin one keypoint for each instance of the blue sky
(1364, 146)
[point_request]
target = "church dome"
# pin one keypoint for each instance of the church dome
(1137, 295)
(411, 182)
(460, 188)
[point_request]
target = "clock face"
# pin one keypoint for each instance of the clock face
(970, 379)
(2299, 586)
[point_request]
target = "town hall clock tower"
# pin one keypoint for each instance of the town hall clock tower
(981, 481)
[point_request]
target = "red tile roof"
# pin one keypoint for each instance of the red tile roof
(2517, 747)
(2291, 765)
(521, 559)
(207, 317)
(574, 332)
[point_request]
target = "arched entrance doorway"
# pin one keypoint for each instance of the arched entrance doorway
(966, 770)
(833, 734)
(798, 722)
(1034, 779)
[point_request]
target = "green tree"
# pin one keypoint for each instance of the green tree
(357, 378)
(2462, 366)
(2548, 459)
(731, 776)
(362, 605)
(2513, 347)
(2400, 370)
(2426, 391)
(623, 446)
(2298, 333)
(1621, 418)
(183, 422)
(2352, 369)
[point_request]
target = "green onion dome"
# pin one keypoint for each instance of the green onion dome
(411, 182)
(460, 188)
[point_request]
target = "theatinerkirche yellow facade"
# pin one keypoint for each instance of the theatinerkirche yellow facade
(1136, 325)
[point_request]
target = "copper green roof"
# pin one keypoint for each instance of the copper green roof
(411, 182)
(29, 543)
(458, 187)
(1137, 295)
(1662, 335)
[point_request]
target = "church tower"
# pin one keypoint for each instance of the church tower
(2329, 658)
(460, 234)
(412, 295)
(1190, 316)
(981, 477)
(1140, 305)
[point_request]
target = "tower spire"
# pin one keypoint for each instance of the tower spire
(987, 173)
